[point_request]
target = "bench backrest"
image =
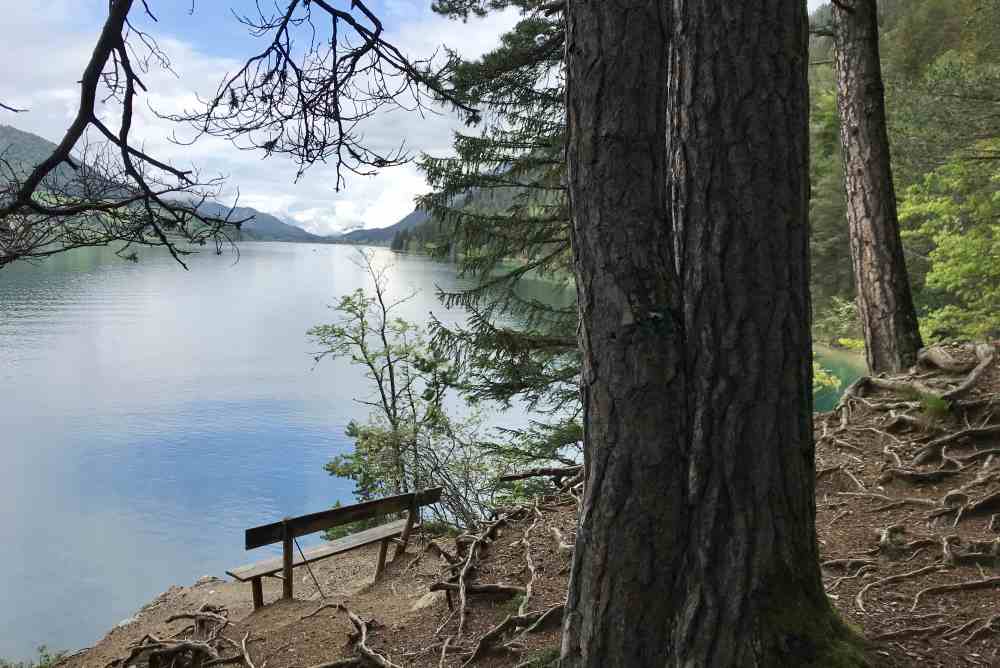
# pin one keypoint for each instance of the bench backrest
(327, 519)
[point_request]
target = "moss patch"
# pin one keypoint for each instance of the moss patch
(811, 634)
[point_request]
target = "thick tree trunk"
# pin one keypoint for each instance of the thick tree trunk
(885, 303)
(696, 544)
(623, 588)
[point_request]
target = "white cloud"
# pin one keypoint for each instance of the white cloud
(57, 43)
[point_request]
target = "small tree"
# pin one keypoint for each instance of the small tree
(408, 441)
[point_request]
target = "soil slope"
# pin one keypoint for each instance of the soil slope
(907, 486)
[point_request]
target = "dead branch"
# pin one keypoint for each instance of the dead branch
(557, 473)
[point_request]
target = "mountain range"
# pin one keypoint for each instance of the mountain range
(23, 150)
(382, 236)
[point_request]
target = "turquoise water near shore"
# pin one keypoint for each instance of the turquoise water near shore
(846, 365)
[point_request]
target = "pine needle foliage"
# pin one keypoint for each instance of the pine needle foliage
(500, 210)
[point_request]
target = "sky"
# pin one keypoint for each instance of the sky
(52, 45)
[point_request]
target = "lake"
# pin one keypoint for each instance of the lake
(151, 414)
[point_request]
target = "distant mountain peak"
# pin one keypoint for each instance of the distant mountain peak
(384, 235)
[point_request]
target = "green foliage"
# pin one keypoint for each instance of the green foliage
(839, 325)
(408, 441)
(941, 63)
(922, 32)
(351, 527)
(955, 212)
(45, 659)
(823, 379)
(500, 210)
(832, 275)
(934, 407)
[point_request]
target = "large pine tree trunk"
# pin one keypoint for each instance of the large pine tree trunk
(885, 303)
(696, 544)
(623, 588)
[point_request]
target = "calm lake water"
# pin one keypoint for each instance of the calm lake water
(149, 415)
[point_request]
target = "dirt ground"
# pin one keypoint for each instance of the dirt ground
(906, 495)
(907, 491)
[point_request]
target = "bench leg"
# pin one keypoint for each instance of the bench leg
(286, 570)
(383, 548)
(258, 593)
(411, 516)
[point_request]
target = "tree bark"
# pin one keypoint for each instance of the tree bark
(633, 390)
(885, 303)
(696, 544)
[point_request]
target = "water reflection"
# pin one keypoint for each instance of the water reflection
(151, 414)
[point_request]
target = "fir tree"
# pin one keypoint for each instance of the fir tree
(501, 204)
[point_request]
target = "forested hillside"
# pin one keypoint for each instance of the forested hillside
(941, 65)
(381, 236)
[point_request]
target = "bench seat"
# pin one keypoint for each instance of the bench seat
(345, 544)
(290, 528)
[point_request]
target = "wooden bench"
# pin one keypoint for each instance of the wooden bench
(288, 529)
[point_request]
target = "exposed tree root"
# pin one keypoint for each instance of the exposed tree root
(939, 357)
(202, 651)
(525, 540)
(933, 450)
(156, 652)
(985, 583)
(986, 354)
(925, 631)
(848, 563)
(561, 543)
(989, 627)
(360, 640)
(917, 477)
(861, 572)
(859, 599)
(501, 590)
(352, 662)
(529, 622)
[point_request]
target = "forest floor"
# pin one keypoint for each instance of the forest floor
(908, 520)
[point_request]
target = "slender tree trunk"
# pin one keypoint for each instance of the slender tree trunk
(696, 544)
(888, 318)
